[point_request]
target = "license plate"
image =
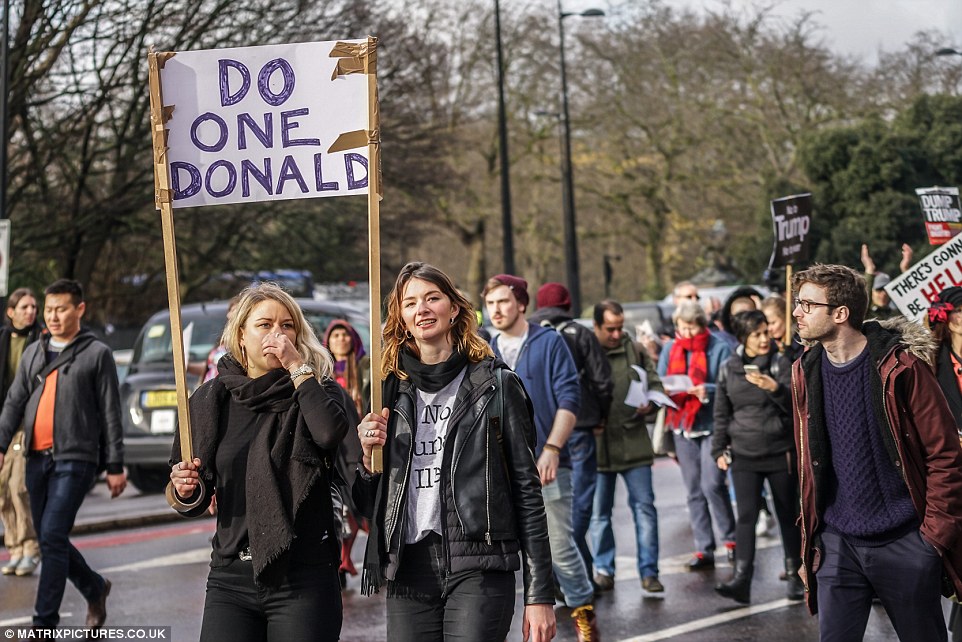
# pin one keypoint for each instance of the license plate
(162, 421)
(160, 399)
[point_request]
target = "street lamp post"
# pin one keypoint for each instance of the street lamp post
(506, 226)
(4, 92)
(567, 183)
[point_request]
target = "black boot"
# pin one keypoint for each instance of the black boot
(795, 589)
(740, 586)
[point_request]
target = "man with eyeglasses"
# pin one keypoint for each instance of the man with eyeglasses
(880, 467)
(684, 291)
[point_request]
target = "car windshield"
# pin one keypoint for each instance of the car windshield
(155, 344)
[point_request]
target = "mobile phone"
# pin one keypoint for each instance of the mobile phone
(751, 369)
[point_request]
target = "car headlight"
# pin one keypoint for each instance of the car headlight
(136, 413)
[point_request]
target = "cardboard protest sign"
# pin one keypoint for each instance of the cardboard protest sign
(791, 220)
(940, 209)
(256, 124)
(915, 290)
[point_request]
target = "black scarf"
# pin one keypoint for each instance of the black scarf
(945, 372)
(283, 464)
(429, 378)
(433, 377)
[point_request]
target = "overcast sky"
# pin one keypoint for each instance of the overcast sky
(857, 27)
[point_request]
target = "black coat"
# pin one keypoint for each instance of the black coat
(493, 508)
(754, 423)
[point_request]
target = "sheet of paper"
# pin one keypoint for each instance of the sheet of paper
(639, 395)
(677, 383)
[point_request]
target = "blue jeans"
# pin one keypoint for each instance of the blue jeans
(568, 566)
(641, 499)
(706, 486)
(584, 475)
(57, 489)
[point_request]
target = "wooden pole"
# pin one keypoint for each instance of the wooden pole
(788, 306)
(374, 234)
(163, 197)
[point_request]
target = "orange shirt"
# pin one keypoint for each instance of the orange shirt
(43, 425)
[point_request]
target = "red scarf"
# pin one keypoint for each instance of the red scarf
(688, 356)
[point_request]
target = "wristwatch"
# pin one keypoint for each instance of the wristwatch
(303, 369)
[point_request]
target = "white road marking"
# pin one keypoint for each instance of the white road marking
(26, 620)
(177, 559)
(708, 622)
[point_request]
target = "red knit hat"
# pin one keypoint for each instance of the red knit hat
(518, 285)
(553, 295)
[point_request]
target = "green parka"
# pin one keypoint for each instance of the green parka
(625, 442)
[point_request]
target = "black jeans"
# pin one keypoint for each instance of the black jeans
(904, 574)
(306, 606)
(424, 605)
(748, 497)
(57, 489)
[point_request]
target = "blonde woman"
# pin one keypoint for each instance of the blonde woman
(265, 432)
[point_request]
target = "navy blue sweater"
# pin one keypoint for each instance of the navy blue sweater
(868, 501)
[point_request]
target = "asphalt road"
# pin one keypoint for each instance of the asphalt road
(159, 572)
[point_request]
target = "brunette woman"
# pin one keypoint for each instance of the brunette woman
(265, 431)
(460, 495)
(754, 437)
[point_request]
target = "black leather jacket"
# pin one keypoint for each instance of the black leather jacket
(487, 467)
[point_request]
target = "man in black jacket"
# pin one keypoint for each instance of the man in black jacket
(594, 373)
(66, 397)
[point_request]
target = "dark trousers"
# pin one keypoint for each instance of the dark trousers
(306, 606)
(57, 489)
(748, 497)
(424, 605)
(584, 479)
(906, 576)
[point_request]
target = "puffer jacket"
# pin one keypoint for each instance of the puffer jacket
(755, 423)
(919, 434)
(493, 508)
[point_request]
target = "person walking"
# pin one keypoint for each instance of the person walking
(624, 448)
(265, 432)
(65, 395)
(880, 465)
(19, 536)
(542, 360)
(459, 497)
(594, 375)
(698, 354)
(753, 437)
(944, 319)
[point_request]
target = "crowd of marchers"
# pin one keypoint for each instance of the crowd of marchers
(497, 449)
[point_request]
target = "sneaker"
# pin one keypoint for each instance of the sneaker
(11, 566)
(28, 564)
(700, 562)
(652, 585)
(730, 550)
(586, 625)
(604, 582)
(765, 526)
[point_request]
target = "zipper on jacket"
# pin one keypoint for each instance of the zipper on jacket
(487, 473)
(802, 438)
(895, 440)
(404, 481)
(454, 461)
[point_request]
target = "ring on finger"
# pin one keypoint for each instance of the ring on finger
(370, 433)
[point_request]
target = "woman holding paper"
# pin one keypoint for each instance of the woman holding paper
(695, 356)
(460, 495)
(265, 433)
(754, 437)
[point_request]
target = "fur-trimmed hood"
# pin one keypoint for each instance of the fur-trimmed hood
(898, 331)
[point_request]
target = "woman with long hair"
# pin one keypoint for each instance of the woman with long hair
(944, 319)
(460, 495)
(698, 354)
(754, 437)
(265, 432)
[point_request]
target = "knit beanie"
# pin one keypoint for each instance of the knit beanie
(518, 285)
(553, 295)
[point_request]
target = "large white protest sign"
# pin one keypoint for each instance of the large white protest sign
(255, 124)
(915, 290)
